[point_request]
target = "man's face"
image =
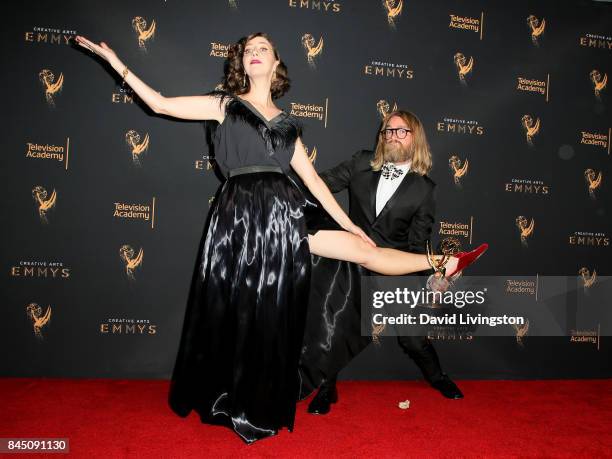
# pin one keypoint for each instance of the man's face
(397, 149)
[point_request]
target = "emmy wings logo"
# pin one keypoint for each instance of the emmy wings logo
(536, 27)
(233, 4)
(138, 146)
(599, 81)
(458, 168)
(44, 202)
(312, 154)
(312, 48)
(525, 228)
(38, 318)
(384, 108)
(593, 180)
(464, 66)
(126, 253)
(144, 33)
(520, 332)
(530, 127)
(588, 278)
(51, 86)
(393, 8)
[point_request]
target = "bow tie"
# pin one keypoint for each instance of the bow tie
(390, 171)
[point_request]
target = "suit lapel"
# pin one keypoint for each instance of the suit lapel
(401, 189)
(373, 186)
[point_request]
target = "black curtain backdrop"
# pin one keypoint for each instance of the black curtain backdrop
(104, 202)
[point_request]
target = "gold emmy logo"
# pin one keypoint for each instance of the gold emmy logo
(132, 138)
(593, 179)
(525, 228)
(464, 66)
(383, 107)
(39, 320)
(599, 82)
(312, 48)
(588, 279)
(44, 205)
(531, 128)
(52, 87)
(394, 9)
(459, 170)
(536, 26)
(233, 4)
(144, 34)
(132, 262)
(312, 155)
(521, 331)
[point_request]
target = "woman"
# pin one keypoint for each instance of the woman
(238, 359)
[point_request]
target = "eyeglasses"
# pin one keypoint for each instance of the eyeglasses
(400, 133)
(260, 50)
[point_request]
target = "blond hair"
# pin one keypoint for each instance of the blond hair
(421, 154)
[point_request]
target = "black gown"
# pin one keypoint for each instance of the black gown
(237, 363)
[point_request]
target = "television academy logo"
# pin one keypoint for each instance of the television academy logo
(384, 108)
(126, 253)
(599, 82)
(467, 23)
(44, 201)
(593, 180)
(536, 27)
(144, 33)
(393, 9)
(525, 228)
(137, 145)
(458, 168)
(312, 48)
(39, 320)
(531, 128)
(464, 66)
(51, 86)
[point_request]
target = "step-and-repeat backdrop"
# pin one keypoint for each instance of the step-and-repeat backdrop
(104, 202)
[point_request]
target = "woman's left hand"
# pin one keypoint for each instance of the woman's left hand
(359, 232)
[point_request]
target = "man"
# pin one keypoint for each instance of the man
(392, 199)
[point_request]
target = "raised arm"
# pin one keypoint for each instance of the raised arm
(303, 167)
(184, 107)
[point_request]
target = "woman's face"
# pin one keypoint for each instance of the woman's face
(258, 58)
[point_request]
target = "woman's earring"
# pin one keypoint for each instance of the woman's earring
(244, 81)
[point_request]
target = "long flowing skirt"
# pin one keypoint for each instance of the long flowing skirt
(237, 363)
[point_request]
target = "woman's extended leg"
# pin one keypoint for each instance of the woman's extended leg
(343, 245)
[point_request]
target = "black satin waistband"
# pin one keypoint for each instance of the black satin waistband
(253, 170)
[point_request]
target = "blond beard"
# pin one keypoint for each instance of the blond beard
(395, 152)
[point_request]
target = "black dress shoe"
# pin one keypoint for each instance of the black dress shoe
(447, 387)
(321, 402)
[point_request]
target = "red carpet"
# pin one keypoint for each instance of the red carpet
(119, 418)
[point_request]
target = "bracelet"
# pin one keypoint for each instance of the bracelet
(124, 73)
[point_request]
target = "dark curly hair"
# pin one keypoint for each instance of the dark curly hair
(235, 76)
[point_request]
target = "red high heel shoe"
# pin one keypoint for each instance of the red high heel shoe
(465, 259)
